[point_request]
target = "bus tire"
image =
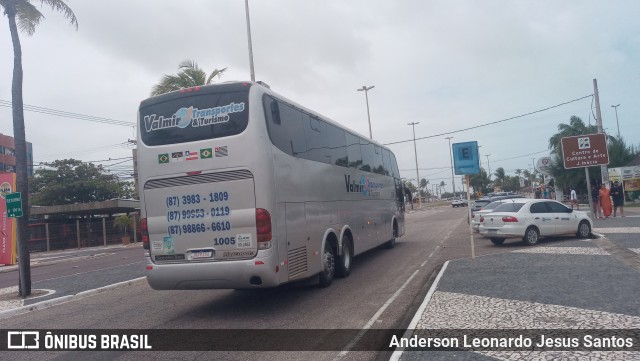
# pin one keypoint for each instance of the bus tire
(392, 242)
(343, 266)
(328, 265)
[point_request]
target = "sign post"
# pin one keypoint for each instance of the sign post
(466, 160)
(584, 151)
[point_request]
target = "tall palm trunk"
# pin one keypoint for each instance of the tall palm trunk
(22, 182)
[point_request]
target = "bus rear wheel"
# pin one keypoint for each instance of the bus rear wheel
(328, 265)
(343, 268)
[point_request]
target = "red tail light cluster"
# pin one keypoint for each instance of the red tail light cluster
(509, 219)
(263, 228)
(144, 229)
(481, 219)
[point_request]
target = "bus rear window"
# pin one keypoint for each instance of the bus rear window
(193, 117)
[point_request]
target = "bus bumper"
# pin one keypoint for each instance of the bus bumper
(253, 273)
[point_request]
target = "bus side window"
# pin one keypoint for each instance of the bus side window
(275, 112)
(354, 156)
(386, 162)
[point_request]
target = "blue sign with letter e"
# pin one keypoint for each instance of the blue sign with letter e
(466, 159)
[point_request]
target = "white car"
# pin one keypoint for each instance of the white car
(530, 219)
(475, 215)
(459, 203)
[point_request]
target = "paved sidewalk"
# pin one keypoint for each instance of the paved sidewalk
(567, 285)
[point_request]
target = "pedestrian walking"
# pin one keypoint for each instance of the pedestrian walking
(605, 201)
(408, 196)
(617, 195)
(574, 199)
(595, 199)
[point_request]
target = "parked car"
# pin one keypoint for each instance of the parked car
(475, 215)
(479, 203)
(459, 202)
(531, 219)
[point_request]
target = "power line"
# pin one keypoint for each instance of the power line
(123, 145)
(61, 113)
(491, 123)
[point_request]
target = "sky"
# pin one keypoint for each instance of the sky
(511, 70)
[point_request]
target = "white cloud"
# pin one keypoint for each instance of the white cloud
(448, 65)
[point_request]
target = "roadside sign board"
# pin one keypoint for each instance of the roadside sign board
(542, 165)
(14, 205)
(466, 159)
(585, 151)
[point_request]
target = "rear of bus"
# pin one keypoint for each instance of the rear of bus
(205, 187)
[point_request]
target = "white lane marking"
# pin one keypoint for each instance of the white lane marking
(375, 317)
(416, 318)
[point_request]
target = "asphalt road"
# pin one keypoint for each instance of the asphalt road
(383, 291)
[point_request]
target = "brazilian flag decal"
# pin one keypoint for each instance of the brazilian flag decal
(205, 153)
(163, 158)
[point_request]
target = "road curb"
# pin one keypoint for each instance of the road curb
(59, 300)
(398, 352)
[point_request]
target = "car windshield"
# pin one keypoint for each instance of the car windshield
(491, 205)
(481, 203)
(508, 207)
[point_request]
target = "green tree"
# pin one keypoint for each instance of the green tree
(123, 222)
(189, 75)
(480, 182)
(423, 188)
(24, 16)
(72, 181)
(500, 177)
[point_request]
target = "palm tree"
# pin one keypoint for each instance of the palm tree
(190, 75)
(500, 176)
(24, 15)
(575, 127)
(423, 184)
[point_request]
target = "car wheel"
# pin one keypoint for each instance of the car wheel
(328, 265)
(497, 241)
(343, 268)
(584, 230)
(531, 236)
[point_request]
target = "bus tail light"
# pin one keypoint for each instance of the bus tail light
(263, 228)
(144, 229)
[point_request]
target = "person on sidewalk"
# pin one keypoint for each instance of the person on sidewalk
(605, 201)
(574, 199)
(618, 199)
(595, 199)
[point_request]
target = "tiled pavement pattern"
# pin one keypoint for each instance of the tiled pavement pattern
(587, 284)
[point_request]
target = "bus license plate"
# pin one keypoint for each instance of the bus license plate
(201, 254)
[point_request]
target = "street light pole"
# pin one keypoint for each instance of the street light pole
(366, 95)
(253, 74)
(488, 166)
(618, 124)
(453, 183)
(413, 125)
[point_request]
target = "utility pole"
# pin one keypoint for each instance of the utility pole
(253, 74)
(453, 183)
(603, 168)
(413, 125)
(488, 166)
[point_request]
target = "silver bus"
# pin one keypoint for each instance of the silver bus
(242, 188)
